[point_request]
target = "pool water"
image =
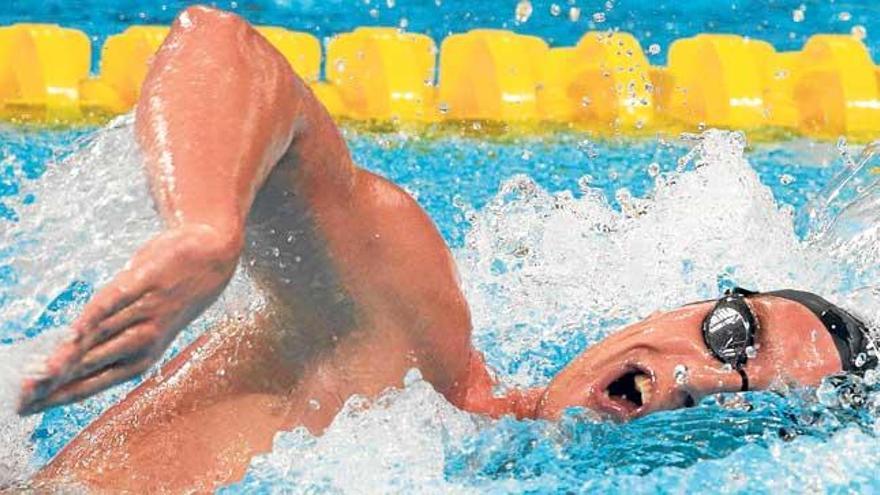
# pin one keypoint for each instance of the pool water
(560, 239)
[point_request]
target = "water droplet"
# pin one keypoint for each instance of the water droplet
(523, 11)
(314, 405)
(871, 378)
(844, 16)
(404, 23)
(681, 374)
(585, 101)
(798, 14)
(555, 10)
(599, 17)
(861, 359)
(340, 65)
(412, 377)
(786, 179)
(574, 14)
(654, 169)
(859, 32)
(390, 3)
(526, 155)
(443, 107)
(374, 13)
(584, 183)
(751, 352)
(727, 368)
(654, 49)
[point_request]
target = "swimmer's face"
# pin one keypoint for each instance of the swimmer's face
(633, 372)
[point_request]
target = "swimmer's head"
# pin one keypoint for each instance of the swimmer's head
(664, 362)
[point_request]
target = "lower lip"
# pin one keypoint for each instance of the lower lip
(618, 408)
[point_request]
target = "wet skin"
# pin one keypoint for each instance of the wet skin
(359, 287)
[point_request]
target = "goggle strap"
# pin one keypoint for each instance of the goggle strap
(745, 380)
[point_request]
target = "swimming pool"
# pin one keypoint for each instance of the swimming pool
(560, 239)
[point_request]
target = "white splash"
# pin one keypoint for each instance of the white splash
(393, 443)
(542, 267)
(91, 212)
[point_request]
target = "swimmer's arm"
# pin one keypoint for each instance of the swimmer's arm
(218, 109)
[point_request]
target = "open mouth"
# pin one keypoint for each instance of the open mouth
(631, 390)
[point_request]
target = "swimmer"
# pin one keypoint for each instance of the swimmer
(246, 165)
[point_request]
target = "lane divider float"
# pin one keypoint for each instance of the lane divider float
(829, 88)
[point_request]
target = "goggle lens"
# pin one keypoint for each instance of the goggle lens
(729, 330)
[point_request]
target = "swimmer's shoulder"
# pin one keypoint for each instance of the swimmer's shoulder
(418, 274)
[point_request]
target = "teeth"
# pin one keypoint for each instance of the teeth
(645, 387)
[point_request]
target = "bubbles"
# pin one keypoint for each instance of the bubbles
(786, 179)
(859, 32)
(395, 443)
(681, 374)
(523, 11)
(654, 49)
(842, 390)
(798, 14)
(555, 10)
(599, 17)
(574, 14)
(751, 352)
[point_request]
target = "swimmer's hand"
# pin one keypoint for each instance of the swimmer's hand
(125, 328)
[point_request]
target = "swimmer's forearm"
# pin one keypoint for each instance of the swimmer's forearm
(216, 113)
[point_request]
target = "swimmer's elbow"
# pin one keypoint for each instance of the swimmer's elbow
(203, 17)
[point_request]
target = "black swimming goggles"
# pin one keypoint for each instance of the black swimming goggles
(730, 327)
(729, 331)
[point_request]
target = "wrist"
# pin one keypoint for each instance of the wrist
(223, 242)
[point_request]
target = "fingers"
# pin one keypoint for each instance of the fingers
(129, 345)
(107, 310)
(116, 307)
(88, 386)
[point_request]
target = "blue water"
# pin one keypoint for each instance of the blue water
(443, 173)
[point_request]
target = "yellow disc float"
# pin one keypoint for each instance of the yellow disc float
(781, 73)
(302, 50)
(717, 80)
(124, 64)
(382, 73)
(41, 66)
(490, 75)
(837, 91)
(829, 88)
(610, 83)
(555, 101)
